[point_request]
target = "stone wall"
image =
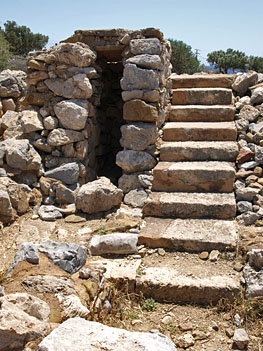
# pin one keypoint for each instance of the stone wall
(93, 106)
(248, 90)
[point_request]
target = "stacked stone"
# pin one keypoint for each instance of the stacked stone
(12, 88)
(249, 122)
(146, 94)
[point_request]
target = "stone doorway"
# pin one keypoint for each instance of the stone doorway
(110, 119)
(108, 46)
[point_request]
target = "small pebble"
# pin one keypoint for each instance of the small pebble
(161, 252)
(204, 255)
(238, 267)
(167, 320)
(186, 326)
(214, 255)
(229, 332)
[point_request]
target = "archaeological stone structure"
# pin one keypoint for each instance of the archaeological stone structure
(93, 106)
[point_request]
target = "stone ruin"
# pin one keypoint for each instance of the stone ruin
(91, 106)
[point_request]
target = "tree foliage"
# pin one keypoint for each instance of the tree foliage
(228, 60)
(21, 39)
(5, 54)
(183, 59)
(255, 63)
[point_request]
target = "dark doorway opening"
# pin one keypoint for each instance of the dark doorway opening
(110, 119)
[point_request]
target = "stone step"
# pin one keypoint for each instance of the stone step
(188, 280)
(199, 131)
(211, 176)
(198, 151)
(202, 81)
(201, 113)
(191, 235)
(202, 96)
(190, 205)
(175, 277)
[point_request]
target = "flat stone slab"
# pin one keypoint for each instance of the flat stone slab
(198, 151)
(211, 176)
(201, 113)
(199, 131)
(202, 81)
(201, 286)
(82, 335)
(120, 270)
(190, 205)
(202, 96)
(192, 235)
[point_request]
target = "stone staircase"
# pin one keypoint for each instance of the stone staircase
(192, 205)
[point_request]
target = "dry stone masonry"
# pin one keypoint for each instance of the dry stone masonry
(94, 106)
(249, 114)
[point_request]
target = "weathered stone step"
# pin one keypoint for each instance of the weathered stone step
(202, 96)
(188, 280)
(191, 235)
(199, 131)
(202, 81)
(190, 205)
(179, 278)
(201, 113)
(212, 176)
(198, 151)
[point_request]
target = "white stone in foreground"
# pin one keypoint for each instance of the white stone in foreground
(82, 335)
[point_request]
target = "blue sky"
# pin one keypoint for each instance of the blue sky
(205, 25)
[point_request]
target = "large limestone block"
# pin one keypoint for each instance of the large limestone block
(169, 284)
(195, 176)
(139, 111)
(116, 243)
(75, 54)
(36, 76)
(146, 61)
(199, 151)
(199, 131)
(31, 121)
(201, 113)
(77, 87)
(138, 136)
(23, 318)
(201, 81)
(7, 213)
(68, 173)
(253, 273)
(98, 196)
(59, 137)
(243, 81)
(191, 205)
(191, 235)
(20, 154)
(151, 46)
(135, 78)
(257, 96)
(135, 161)
(80, 334)
(146, 95)
(10, 120)
(12, 83)
(202, 96)
(72, 114)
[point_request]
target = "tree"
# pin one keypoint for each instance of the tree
(183, 60)
(22, 40)
(228, 60)
(255, 63)
(5, 54)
